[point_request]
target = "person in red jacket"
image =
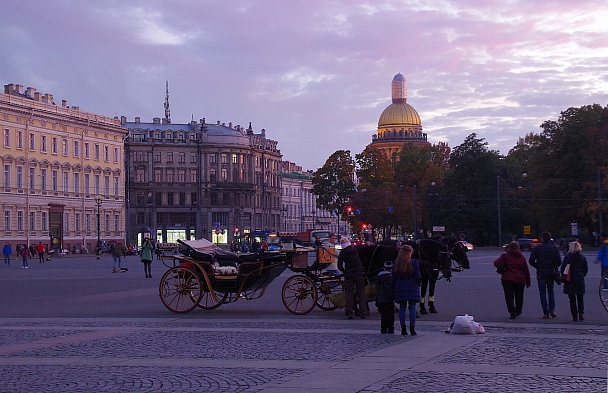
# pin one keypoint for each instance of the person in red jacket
(514, 277)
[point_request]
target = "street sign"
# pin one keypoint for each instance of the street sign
(527, 230)
(438, 228)
(574, 228)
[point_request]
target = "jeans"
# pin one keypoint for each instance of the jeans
(117, 260)
(7, 259)
(604, 270)
(545, 287)
(410, 305)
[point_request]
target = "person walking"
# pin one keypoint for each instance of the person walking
(40, 250)
(602, 257)
(146, 256)
(385, 299)
(354, 279)
(545, 259)
(406, 286)
(7, 250)
(25, 253)
(575, 266)
(515, 276)
(118, 251)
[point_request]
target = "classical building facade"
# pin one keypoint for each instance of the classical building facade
(299, 205)
(62, 173)
(399, 123)
(200, 180)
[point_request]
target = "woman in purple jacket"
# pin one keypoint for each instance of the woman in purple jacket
(406, 286)
(514, 277)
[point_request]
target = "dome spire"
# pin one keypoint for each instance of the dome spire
(399, 89)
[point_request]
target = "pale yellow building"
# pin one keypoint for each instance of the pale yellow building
(61, 169)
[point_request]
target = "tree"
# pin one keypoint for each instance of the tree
(333, 183)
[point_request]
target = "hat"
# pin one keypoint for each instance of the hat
(344, 242)
(388, 265)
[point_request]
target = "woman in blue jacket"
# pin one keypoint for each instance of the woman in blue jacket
(406, 285)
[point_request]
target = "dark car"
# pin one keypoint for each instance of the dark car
(526, 244)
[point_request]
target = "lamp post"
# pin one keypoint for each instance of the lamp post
(98, 202)
(285, 217)
(526, 227)
(150, 213)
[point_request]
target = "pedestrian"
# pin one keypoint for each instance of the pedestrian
(146, 256)
(406, 285)
(602, 257)
(354, 279)
(515, 276)
(385, 299)
(546, 260)
(40, 250)
(574, 280)
(7, 250)
(24, 255)
(118, 251)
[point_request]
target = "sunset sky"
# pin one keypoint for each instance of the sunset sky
(315, 74)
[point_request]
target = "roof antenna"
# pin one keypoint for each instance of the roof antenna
(167, 110)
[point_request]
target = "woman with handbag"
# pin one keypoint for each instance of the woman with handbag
(515, 275)
(574, 269)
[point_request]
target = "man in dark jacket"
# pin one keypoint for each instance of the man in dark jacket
(354, 278)
(545, 259)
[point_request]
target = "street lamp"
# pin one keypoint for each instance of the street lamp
(98, 202)
(285, 217)
(526, 227)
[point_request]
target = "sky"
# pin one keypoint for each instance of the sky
(316, 75)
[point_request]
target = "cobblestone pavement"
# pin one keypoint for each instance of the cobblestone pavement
(214, 355)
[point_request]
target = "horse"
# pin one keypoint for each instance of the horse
(435, 256)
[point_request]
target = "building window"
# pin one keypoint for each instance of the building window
(66, 221)
(158, 199)
(55, 180)
(181, 176)
(19, 177)
(157, 157)
(66, 183)
(76, 148)
(182, 199)
(212, 176)
(87, 183)
(7, 220)
(64, 147)
(87, 222)
(158, 175)
(235, 158)
(116, 186)
(106, 186)
(116, 223)
(182, 158)
(32, 141)
(7, 137)
(169, 157)
(106, 223)
(214, 199)
(224, 174)
(116, 155)
(32, 221)
(43, 179)
(97, 152)
(170, 176)
(224, 158)
(7, 175)
(43, 143)
(20, 223)
(87, 151)
(19, 139)
(77, 222)
(193, 174)
(32, 179)
(44, 221)
(77, 182)
(96, 184)
(106, 154)
(193, 199)
(170, 199)
(213, 159)
(192, 158)
(54, 147)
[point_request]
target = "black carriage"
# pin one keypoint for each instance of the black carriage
(207, 276)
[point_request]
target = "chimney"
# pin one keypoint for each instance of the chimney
(138, 120)
(48, 98)
(156, 120)
(76, 108)
(64, 103)
(8, 89)
(19, 89)
(123, 120)
(30, 92)
(38, 97)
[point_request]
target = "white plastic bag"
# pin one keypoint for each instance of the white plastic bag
(465, 324)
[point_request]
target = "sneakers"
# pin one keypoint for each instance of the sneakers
(553, 314)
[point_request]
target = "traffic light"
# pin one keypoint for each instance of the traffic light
(349, 211)
(364, 227)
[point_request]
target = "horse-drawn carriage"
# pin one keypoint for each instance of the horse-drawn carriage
(207, 276)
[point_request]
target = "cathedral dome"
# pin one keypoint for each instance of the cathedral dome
(400, 114)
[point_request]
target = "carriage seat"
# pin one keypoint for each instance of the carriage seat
(227, 260)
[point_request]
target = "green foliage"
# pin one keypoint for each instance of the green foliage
(333, 183)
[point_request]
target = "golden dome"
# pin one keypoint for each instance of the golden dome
(400, 114)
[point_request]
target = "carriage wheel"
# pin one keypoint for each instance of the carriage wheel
(180, 289)
(299, 294)
(207, 303)
(326, 288)
(604, 292)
